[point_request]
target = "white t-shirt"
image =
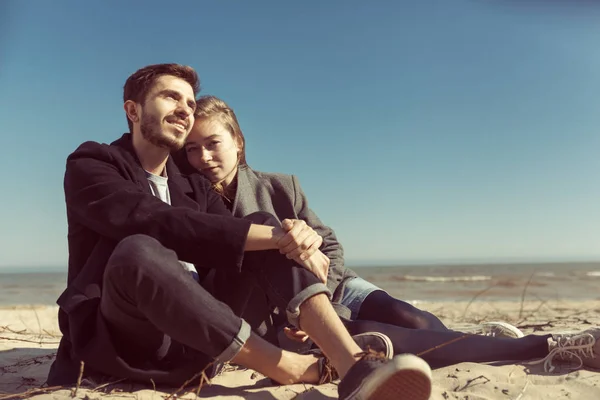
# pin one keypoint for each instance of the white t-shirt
(160, 188)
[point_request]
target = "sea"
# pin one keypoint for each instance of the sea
(420, 283)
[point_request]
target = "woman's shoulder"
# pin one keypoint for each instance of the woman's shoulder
(273, 181)
(273, 177)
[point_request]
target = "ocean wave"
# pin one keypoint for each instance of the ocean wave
(546, 274)
(415, 278)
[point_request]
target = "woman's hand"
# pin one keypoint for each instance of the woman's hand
(318, 264)
(301, 243)
(295, 334)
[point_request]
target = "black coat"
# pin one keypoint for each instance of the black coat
(108, 198)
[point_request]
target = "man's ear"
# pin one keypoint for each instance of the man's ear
(131, 110)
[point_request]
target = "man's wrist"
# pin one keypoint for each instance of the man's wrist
(278, 233)
(263, 237)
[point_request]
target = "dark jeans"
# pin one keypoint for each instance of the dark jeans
(158, 314)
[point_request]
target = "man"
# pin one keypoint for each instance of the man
(133, 307)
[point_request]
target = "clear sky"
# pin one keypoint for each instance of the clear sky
(421, 131)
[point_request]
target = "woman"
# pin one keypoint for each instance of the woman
(216, 148)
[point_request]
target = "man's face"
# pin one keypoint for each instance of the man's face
(167, 115)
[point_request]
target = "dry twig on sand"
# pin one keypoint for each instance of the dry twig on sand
(27, 394)
(74, 391)
(476, 296)
(27, 340)
(200, 374)
(439, 346)
(470, 381)
(523, 294)
(26, 362)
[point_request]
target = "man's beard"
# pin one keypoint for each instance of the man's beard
(151, 131)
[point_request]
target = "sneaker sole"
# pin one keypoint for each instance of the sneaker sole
(404, 377)
(386, 347)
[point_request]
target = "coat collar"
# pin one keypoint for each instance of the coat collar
(179, 186)
(245, 189)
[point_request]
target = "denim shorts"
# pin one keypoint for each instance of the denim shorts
(356, 291)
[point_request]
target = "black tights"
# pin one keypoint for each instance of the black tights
(415, 331)
(381, 307)
(471, 348)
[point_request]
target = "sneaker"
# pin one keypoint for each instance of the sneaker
(369, 341)
(583, 347)
(375, 341)
(375, 377)
(500, 330)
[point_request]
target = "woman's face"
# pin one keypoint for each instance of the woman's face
(211, 149)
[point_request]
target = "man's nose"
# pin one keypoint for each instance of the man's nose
(183, 110)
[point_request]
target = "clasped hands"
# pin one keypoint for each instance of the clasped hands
(299, 242)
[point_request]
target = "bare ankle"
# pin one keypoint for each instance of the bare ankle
(296, 368)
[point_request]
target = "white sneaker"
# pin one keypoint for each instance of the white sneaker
(583, 347)
(500, 330)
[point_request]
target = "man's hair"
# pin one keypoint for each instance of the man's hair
(139, 83)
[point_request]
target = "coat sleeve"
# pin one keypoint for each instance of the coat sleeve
(330, 247)
(101, 198)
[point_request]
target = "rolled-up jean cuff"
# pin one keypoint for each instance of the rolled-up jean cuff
(236, 344)
(293, 308)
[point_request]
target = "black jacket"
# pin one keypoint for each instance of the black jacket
(108, 198)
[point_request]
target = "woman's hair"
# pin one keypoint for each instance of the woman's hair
(211, 108)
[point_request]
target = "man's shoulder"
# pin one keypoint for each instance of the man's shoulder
(100, 151)
(92, 149)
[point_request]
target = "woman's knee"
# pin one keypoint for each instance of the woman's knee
(382, 307)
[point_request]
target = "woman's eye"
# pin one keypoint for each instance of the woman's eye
(213, 144)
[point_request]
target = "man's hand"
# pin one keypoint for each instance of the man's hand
(300, 241)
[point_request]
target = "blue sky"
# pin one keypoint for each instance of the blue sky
(429, 131)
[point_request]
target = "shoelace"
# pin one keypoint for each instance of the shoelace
(495, 330)
(371, 355)
(491, 332)
(568, 347)
(327, 372)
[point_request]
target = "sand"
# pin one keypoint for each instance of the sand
(29, 337)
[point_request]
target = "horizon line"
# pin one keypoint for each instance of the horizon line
(368, 263)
